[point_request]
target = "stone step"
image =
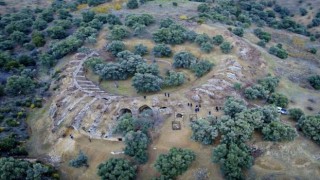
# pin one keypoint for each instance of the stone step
(87, 85)
(80, 76)
(91, 88)
(80, 116)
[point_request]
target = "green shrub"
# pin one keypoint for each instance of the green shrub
(276, 131)
(315, 81)
(303, 11)
(269, 83)
(137, 146)
(278, 100)
(173, 78)
(234, 130)
(262, 35)
(161, 50)
(165, 23)
(87, 16)
(118, 32)
(238, 31)
(115, 47)
(38, 39)
(256, 92)
(233, 106)
(226, 47)
(313, 50)
(132, 4)
(262, 43)
(174, 34)
(201, 67)
(218, 39)
(206, 47)
(146, 83)
(125, 124)
(310, 127)
(279, 52)
(117, 168)
(203, 131)
(132, 20)
(56, 32)
(295, 113)
(233, 158)
(175, 163)
(145, 68)
(202, 38)
(19, 85)
(203, 8)
(140, 49)
(80, 161)
(183, 60)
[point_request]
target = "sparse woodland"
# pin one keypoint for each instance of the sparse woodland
(272, 100)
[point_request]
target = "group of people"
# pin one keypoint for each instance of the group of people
(197, 108)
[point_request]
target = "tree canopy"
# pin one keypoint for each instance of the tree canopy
(277, 131)
(137, 146)
(175, 163)
(203, 131)
(19, 85)
(233, 158)
(234, 130)
(232, 106)
(79, 161)
(201, 67)
(174, 34)
(117, 168)
(310, 126)
(146, 82)
(315, 81)
(11, 169)
(183, 60)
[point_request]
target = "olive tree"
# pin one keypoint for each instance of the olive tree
(201, 67)
(175, 163)
(137, 146)
(217, 40)
(111, 71)
(315, 81)
(161, 50)
(277, 131)
(256, 91)
(132, 4)
(203, 131)
(19, 85)
(173, 78)
(124, 124)
(79, 161)
(115, 47)
(232, 106)
(233, 158)
(118, 32)
(117, 168)
(145, 68)
(140, 49)
(146, 82)
(295, 113)
(309, 125)
(252, 116)
(183, 60)
(234, 130)
(226, 47)
(278, 100)
(174, 34)
(238, 31)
